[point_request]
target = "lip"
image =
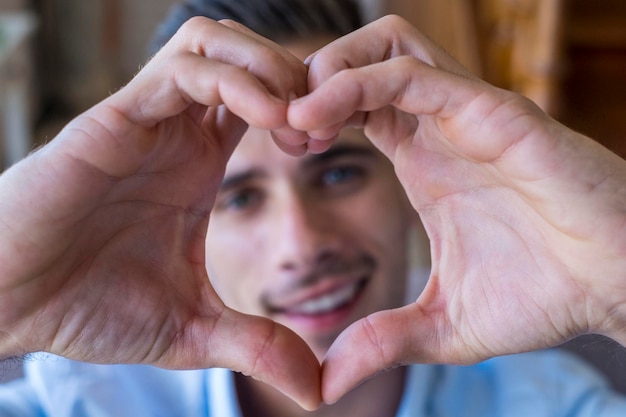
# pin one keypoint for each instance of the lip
(323, 287)
(345, 294)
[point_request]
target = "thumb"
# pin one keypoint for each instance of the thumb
(379, 342)
(262, 349)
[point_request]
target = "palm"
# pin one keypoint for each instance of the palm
(102, 283)
(502, 247)
(496, 287)
(525, 217)
(104, 228)
(120, 274)
(515, 264)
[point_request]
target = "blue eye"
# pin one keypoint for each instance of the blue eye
(340, 175)
(241, 200)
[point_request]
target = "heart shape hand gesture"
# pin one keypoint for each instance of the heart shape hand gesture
(103, 230)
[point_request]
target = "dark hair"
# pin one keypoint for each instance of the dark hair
(273, 19)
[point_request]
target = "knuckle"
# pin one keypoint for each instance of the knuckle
(193, 33)
(258, 363)
(195, 25)
(407, 63)
(233, 24)
(374, 338)
(394, 21)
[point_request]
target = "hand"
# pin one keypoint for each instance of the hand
(527, 219)
(103, 230)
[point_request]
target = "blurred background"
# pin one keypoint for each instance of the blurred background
(59, 57)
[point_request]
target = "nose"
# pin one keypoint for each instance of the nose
(305, 232)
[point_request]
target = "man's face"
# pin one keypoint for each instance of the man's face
(313, 242)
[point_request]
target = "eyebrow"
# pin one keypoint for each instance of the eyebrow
(232, 181)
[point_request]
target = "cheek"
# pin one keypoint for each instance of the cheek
(386, 227)
(386, 218)
(229, 257)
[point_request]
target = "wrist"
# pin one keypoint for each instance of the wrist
(607, 315)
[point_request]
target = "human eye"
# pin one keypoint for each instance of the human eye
(341, 174)
(341, 178)
(240, 200)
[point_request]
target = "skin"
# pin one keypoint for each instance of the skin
(103, 230)
(308, 227)
(102, 249)
(526, 218)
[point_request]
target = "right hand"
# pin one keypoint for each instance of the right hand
(103, 229)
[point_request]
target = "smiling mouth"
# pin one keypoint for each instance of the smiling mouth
(327, 302)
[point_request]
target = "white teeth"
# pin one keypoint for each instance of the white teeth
(327, 302)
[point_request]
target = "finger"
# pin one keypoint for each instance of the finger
(190, 65)
(262, 349)
(327, 133)
(316, 146)
(234, 44)
(419, 89)
(166, 90)
(404, 82)
(293, 150)
(287, 139)
(185, 81)
(385, 38)
(294, 64)
(378, 343)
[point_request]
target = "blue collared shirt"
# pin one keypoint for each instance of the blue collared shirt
(539, 384)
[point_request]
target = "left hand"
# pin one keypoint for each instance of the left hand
(526, 218)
